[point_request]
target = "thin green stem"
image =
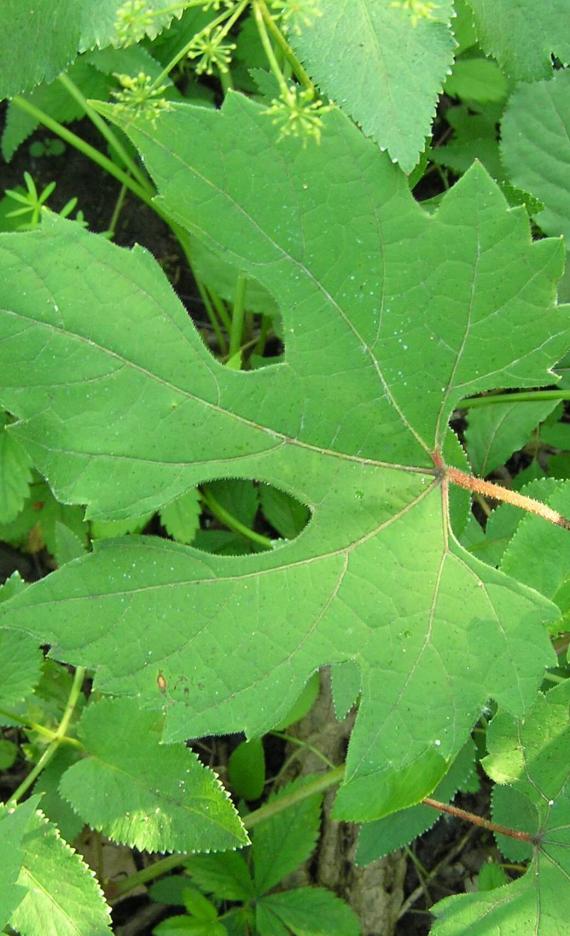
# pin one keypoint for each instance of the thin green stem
(226, 80)
(106, 164)
(263, 333)
(117, 209)
(106, 132)
(529, 396)
(285, 48)
(236, 331)
(228, 519)
(291, 739)
(319, 785)
(220, 308)
(210, 312)
(267, 47)
(48, 733)
(53, 746)
(554, 678)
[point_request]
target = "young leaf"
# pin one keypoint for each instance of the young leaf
(226, 876)
(13, 826)
(54, 807)
(35, 525)
(377, 576)
(536, 146)
(20, 656)
(246, 769)
(530, 755)
(477, 79)
(308, 911)
(382, 67)
(63, 897)
(522, 34)
(144, 794)
(181, 518)
(377, 839)
(529, 541)
(284, 513)
(55, 100)
(491, 876)
(495, 432)
(15, 474)
(283, 842)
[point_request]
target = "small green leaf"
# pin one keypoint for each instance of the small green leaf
(8, 753)
(199, 906)
(181, 518)
(62, 896)
(68, 546)
(530, 755)
(55, 100)
(494, 432)
(15, 474)
(303, 705)
(535, 146)
(225, 875)
(377, 839)
(286, 840)
(54, 807)
(144, 794)
(246, 769)
(381, 67)
(491, 876)
(14, 824)
(310, 911)
(284, 513)
(522, 34)
(20, 666)
(477, 79)
(34, 527)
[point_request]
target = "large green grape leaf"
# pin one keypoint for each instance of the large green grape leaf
(531, 756)
(382, 66)
(522, 34)
(391, 317)
(144, 794)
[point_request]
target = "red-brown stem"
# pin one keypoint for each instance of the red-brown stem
(500, 493)
(479, 821)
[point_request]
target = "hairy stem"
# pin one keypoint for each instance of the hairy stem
(505, 495)
(480, 821)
